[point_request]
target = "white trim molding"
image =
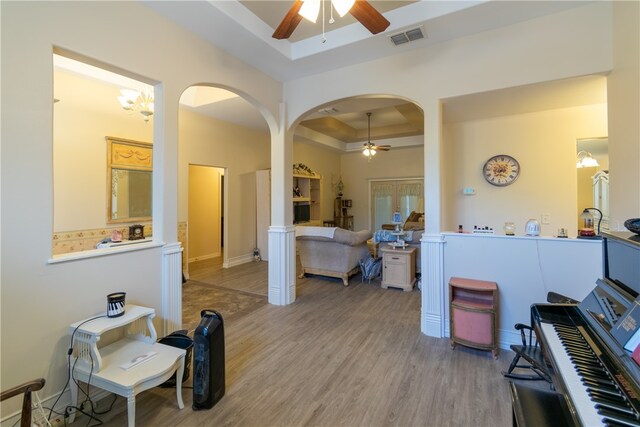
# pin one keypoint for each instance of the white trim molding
(238, 260)
(172, 287)
(433, 306)
(282, 265)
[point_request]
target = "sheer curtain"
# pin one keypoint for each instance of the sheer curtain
(387, 197)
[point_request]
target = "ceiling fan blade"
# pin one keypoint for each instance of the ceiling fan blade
(383, 147)
(369, 16)
(289, 22)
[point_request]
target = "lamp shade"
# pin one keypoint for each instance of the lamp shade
(310, 10)
(342, 6)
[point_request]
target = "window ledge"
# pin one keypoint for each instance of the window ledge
(129, 246)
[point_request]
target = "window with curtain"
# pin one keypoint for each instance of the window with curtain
(388, 197)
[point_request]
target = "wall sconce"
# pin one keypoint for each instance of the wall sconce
(132, 100)
(586, 160)
(587, 231)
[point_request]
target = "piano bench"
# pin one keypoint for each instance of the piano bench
(538, 408)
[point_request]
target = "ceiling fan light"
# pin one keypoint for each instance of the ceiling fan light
(373, 151)
(366, 152)
(310, 10)
(342, 6)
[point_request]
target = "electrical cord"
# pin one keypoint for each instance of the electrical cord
(69, 353)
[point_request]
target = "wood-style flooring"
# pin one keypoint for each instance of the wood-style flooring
(338, 356)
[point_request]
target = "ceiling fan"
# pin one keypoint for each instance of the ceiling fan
(370, 149)
(366, 14)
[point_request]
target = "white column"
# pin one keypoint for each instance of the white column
(172, 287)
(282, 269)
(433, 282)
(282, 265)
(432, 244)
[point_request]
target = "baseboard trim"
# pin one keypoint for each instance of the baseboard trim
(203, 257)
(242, 259)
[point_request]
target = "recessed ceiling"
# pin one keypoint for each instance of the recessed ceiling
(244, 29)
(390, 118)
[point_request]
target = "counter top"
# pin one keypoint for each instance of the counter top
(522, 237)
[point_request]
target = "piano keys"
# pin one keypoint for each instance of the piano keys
(584, 344)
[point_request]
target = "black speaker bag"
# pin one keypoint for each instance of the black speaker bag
(208, 360)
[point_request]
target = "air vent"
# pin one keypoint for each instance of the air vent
(407, 36)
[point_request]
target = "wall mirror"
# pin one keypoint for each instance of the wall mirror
(592, 163)
(129, 170)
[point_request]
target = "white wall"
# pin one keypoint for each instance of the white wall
(525, 269)
(40, 300)
(544, 143)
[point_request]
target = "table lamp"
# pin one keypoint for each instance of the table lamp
(587, 231)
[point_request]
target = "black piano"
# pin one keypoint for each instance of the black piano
(589, 349)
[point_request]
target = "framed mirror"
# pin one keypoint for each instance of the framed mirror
(129, 180)
(592, 163)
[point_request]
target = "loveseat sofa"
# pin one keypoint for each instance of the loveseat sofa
(331, 251)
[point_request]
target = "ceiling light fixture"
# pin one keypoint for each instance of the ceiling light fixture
(310, 9)
(586, 160)
(132, 100)
(369, 149)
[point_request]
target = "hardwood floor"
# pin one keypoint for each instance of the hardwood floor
(338, 356)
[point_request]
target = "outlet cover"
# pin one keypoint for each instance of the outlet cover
(546, 218)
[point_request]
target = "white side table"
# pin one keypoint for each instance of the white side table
(101, 367)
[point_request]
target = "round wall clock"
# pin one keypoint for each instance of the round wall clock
(501, 170)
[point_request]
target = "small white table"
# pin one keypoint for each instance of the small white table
(139, 338)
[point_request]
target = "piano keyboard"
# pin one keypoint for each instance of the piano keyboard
(595, 395)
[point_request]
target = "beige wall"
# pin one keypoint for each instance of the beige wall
(326, 163)
(44, 298)
(87, 112)
(572, 43)
(205, 212)
(241, 151)
(624, 110)
(357, 173)
(544, 143)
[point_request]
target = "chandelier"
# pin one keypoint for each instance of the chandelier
(586, 160)
(369, 149)
(132, 100)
